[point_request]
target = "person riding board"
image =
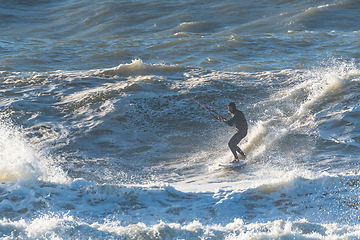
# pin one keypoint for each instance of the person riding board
(240, 124)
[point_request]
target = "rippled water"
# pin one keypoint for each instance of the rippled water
(98, 139)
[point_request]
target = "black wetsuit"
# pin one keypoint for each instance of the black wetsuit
(239, 122)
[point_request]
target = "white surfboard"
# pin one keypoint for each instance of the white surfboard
(231, 165)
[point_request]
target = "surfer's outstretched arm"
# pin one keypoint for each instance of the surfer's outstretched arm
(221, 118)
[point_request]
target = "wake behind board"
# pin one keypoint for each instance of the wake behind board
(232, 165)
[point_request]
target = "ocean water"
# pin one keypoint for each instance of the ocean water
(99, 141)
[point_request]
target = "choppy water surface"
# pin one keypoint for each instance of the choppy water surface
(98, 139)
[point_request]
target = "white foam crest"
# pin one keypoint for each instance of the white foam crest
(237, 229)
(19, 161)
(57, 227)
(47, 226)
(299, 229)
(138, 66)
(325, 85)
(15, 156)
(307, 13)
(280, 203)
(294, 110)
(184, 24)
(40, 227)
(261, 137)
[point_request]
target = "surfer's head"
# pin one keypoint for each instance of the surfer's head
(231, 107)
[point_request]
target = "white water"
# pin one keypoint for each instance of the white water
(97, 140)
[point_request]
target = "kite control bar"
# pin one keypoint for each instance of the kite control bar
(212, 112)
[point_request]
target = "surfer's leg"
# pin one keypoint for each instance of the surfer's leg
(233, 144)
(240, 151)
(234, 141)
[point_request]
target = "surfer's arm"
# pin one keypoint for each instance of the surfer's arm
(221, 118)
(228, 122)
